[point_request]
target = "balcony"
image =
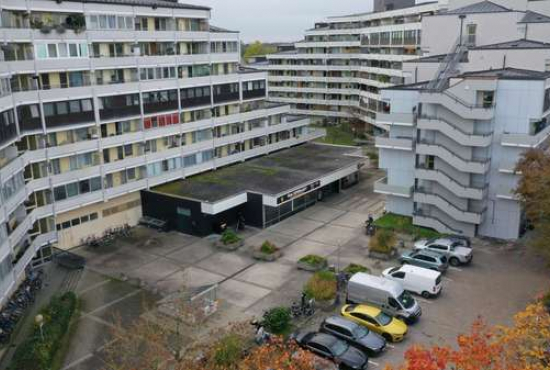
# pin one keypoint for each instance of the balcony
(458, 106)
(455, 132)
(395, 143)
(425, 197)
(397, 119)
(382, 187)
(525, 140)
(478, 166)
(450, 184)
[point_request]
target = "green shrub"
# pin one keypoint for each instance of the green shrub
(268, 248)
(353, 269)
(382, 242)
(322, 286)
(313, 260)
(228, 350)
(230, 237)
(546, 299)
(277, 320)
(36, 353)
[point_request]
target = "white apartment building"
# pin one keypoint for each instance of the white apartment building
(100, 99)
(457, 130)
(336, 73)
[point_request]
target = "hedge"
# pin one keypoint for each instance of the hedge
(36, 353)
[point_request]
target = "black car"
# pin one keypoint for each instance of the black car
(334, 349)
(357, 335)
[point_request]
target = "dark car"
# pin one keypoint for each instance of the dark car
(334, 349)
(357, 335)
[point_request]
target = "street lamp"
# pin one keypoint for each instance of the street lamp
(39, 320)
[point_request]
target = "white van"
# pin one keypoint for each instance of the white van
(390, 296)
(416, 279)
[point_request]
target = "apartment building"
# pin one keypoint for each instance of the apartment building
(335, 74)
(458, 128)
(100, 99)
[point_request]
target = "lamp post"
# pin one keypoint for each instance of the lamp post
(39, 320)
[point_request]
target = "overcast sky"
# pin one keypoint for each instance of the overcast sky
(277, 20)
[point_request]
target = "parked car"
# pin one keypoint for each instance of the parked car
(455, 250)
(463, 240)
(425, 258)
(390, 296)
(416, 279)
(334, 349)
(357, 335)
(390, 328)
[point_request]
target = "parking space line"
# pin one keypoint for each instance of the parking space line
(423, 300)
(448, 279)
(374, 363)
(454, 268)
(390, 346)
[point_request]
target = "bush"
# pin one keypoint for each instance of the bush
(37, 354)
(353, 269)
(229, 350)
(382, 242)
(313, 260)
(277, 320)
(230, 237)
(268, 248)
(322, 286)
(546, 299)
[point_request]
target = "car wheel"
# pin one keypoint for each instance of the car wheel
(454, 262)
(426, 294)
(387, 337)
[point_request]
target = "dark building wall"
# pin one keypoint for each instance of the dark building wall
(253, 210)
(385, 5)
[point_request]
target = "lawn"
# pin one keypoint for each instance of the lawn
(403, 224)
(338, 135)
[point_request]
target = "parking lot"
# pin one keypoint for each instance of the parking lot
(499, 282)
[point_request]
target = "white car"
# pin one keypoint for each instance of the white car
(455, 251)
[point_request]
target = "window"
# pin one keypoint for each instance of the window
(471, 30)
(183, 211)
(399, 275)
(93, 217)
(52, 51)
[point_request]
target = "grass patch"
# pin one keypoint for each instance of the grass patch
(338, 135)
(37, 353)
(313, 260)
(403, 224)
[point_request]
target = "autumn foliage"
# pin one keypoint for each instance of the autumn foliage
(523, 346)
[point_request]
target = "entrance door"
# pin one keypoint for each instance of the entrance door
(184, 221)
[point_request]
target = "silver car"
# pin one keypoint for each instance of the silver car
(456, 252)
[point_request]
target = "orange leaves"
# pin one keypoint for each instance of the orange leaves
(523, 346)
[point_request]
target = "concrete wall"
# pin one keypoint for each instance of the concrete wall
(385, 5)
(71, 237)
(400, 206)
(534, 59)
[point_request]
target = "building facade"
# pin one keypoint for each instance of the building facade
(100, 99)
(457, 130)
(336, 73)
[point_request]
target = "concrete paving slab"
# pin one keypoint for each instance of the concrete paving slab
(269, 275)
(225, 263)
(189, 278)
(240, 293)
(296, 226)
(194, 252)
(89, 363)
(332, 235)
(104, 294)
(322, 213)
(128, 309)
(156, 270)
(280, 240)
(90, 279)
(350, 219)
(303, 247)
(89, 335)
(120, 262)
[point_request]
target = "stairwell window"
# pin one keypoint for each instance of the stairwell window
(471, 30)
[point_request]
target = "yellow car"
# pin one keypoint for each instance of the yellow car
(389, 327)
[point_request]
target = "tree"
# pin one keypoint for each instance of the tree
(534, 190)
(523, 346)
(258, 48)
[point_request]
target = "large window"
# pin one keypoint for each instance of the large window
(68, 112)
(61, 50)
(109, 22)
(13, 185)
(119, 106)
(77, 188)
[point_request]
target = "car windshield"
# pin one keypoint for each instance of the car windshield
(339, 348)
(394, 269)
(406, 299)
(360, 331)
(383, 319)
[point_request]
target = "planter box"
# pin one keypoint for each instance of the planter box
(325, 306)
(267, 257)
(312, 268)
(229, 247)
(383, 256)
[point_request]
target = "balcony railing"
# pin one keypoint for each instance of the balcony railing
(382, 187)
